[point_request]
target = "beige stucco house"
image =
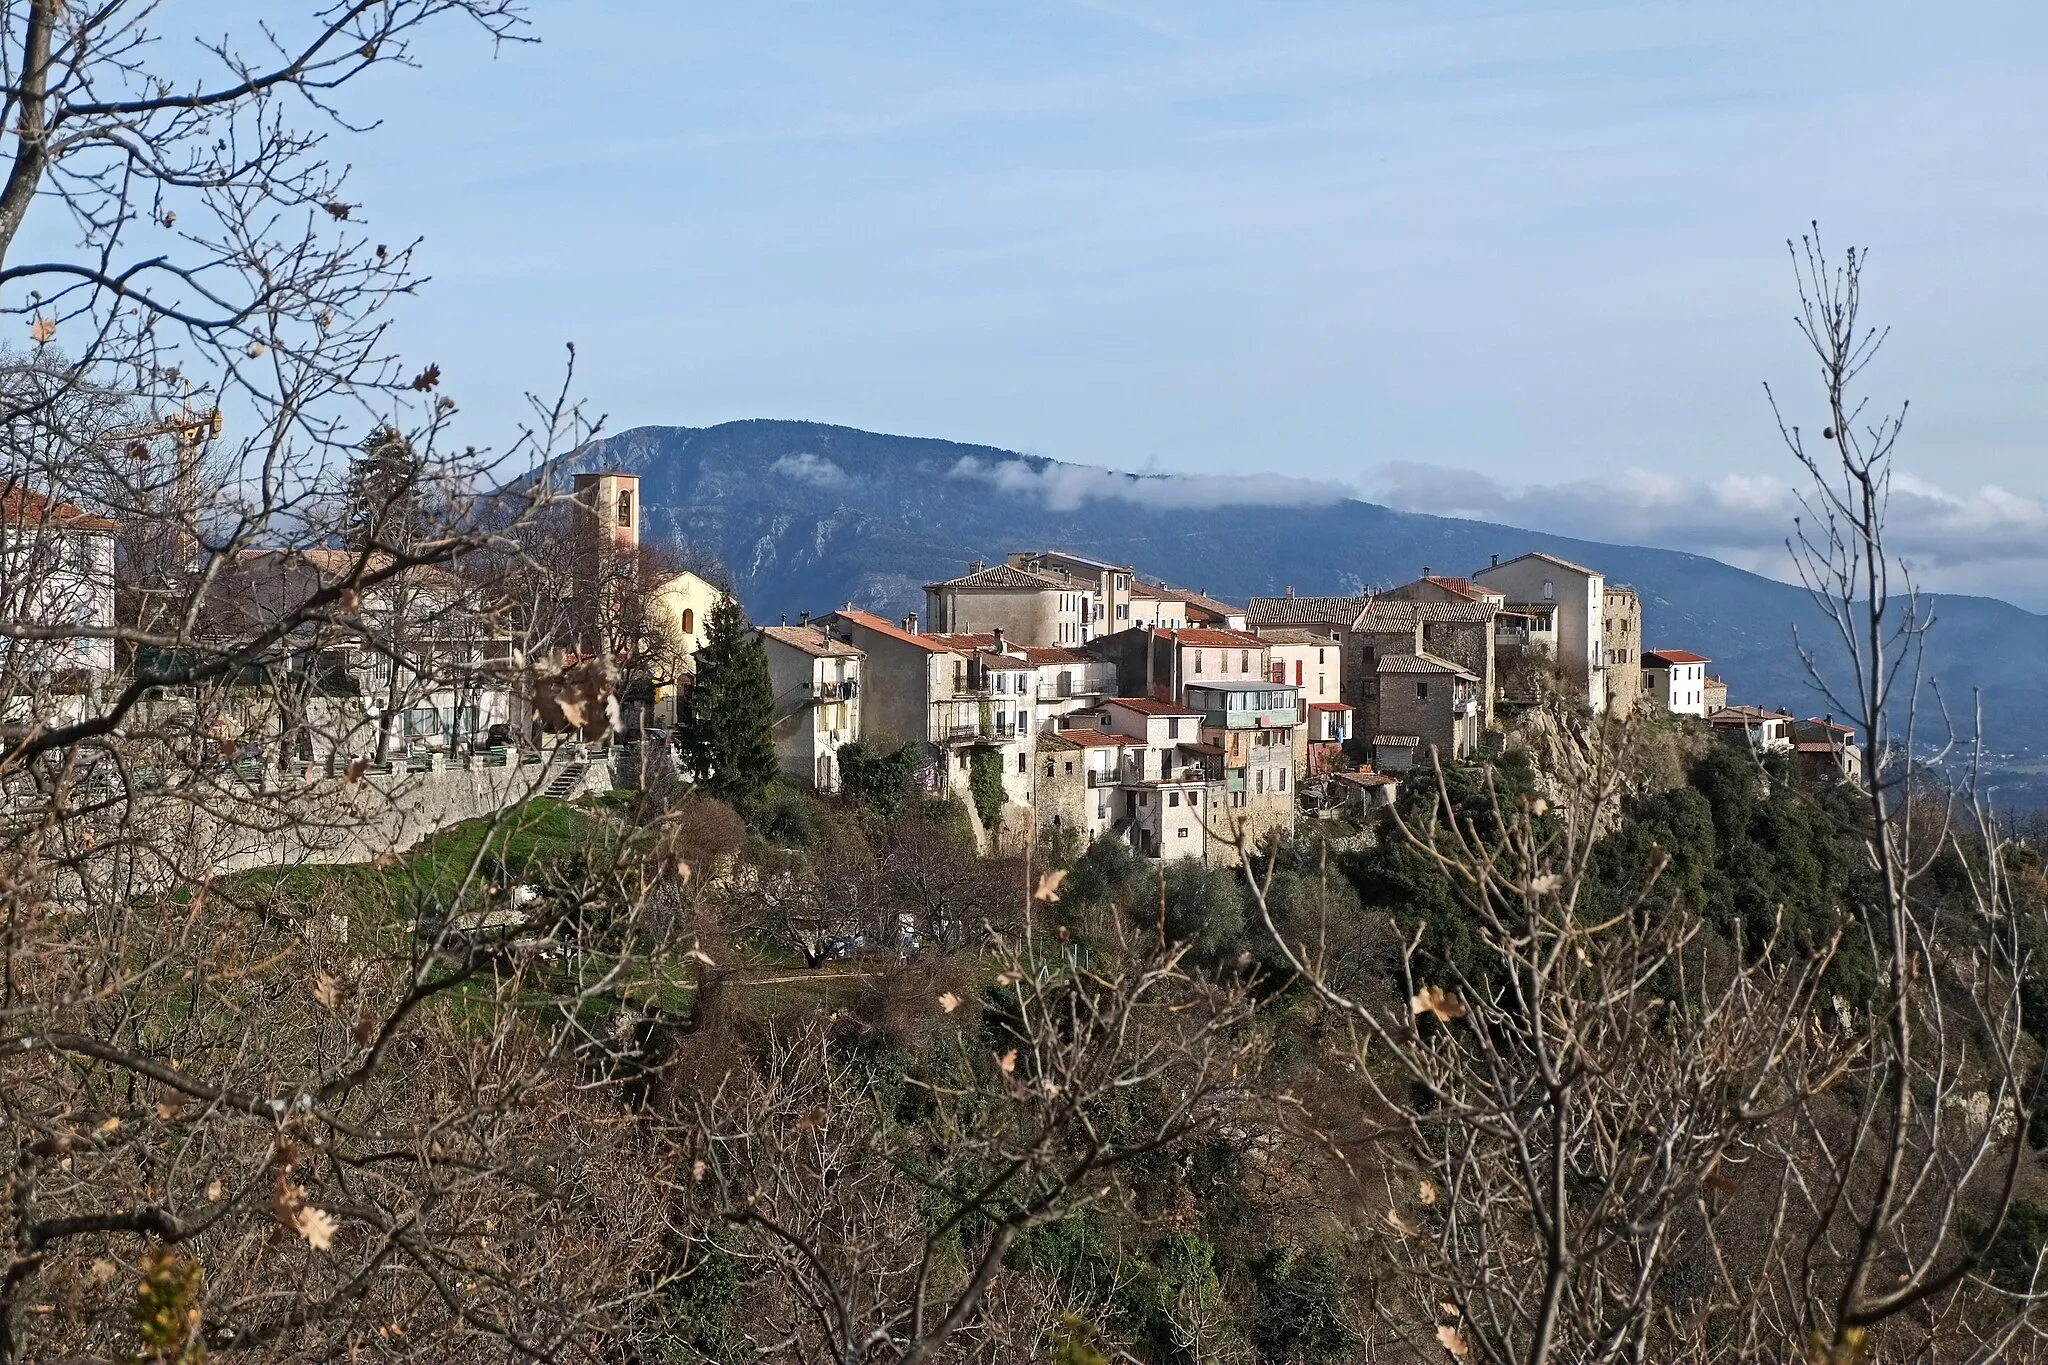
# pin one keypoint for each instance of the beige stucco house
(1572, 600)
(816, 679)
(1030, 606)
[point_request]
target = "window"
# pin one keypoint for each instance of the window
(1173, 798)
(1298, 664)
(1283, 779)
(1319, 658)
(1194, 798)
(1021, 760)
(1244, 661)
(1422, 691)
(1023, 725)
(626, 508)
(1198, 663)
(1262, 781)
(1048, 767)
(1173, 728)
(1549, 589)
(689, 621)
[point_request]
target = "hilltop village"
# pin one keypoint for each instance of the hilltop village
(1050, 691)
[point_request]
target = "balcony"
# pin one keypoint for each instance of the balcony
(993, 733)
(1258, 706)
(837, 691)
(1108, 778)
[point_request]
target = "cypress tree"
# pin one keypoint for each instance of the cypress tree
(724, 730)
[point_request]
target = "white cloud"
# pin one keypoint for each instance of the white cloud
(1064, 487)
(1990, 540)
(809, 468)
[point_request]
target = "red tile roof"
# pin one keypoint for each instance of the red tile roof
(23, 507)
(1674, 656)
(1055, 654)
(893, 631)
(1085, 738)
(1329, 706)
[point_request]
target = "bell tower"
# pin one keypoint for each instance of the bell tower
(613, 498)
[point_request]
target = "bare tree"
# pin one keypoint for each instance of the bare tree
(875, 1228)
(292, 1111)
(1623, 1135)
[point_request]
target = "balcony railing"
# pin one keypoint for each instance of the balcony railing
(994, 732)
(1271, 718)
(838, 691)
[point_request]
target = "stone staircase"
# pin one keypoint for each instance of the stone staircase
(567, 781)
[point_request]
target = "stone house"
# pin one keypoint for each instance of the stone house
(1079, 779)
(1714, 695)
(1459, 631)
(1430, 700)
(1675, 680)
(816, 678)
(1573, 598)
(1313, 664)
(1621, 645)
(1030, 606)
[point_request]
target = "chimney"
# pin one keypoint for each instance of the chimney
(1496, 561)
(785, 619)
(910, 623)
(1425, 571)
(975, 566)
(1290, 590)
(999, 640)
(803, 619)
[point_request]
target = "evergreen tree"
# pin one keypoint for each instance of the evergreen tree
(724, 731)
(386, 500)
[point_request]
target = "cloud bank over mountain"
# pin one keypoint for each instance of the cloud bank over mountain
(1067, 487)
(1990, 540)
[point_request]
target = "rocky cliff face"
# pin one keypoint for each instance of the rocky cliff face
(809, 516)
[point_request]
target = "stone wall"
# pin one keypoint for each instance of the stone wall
(218, 823)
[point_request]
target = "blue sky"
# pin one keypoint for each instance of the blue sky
(1520, 261)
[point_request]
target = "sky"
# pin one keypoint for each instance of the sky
(1509, 260)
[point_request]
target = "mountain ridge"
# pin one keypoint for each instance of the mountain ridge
(810, 515)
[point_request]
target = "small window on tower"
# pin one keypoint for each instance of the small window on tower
(626, 508)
